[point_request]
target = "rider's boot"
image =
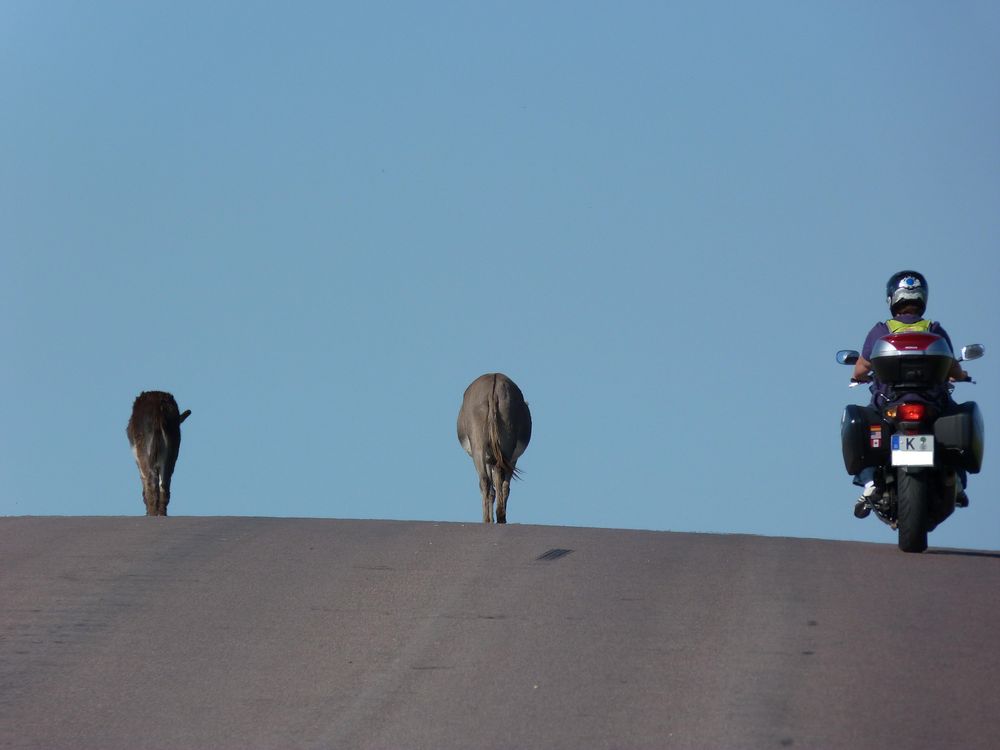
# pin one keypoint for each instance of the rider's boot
(864, 504)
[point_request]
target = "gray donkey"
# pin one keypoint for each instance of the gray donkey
(154, 433)
(494, 427)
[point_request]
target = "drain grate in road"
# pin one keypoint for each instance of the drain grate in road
(554, 554)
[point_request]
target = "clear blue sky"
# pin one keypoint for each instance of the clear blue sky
(316, 223)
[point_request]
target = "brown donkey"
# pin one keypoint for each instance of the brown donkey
(154, 432)
(494, 427)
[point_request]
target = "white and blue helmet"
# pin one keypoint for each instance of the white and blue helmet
(906, 287)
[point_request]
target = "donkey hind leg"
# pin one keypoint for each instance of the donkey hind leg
(486, 488)
(150, 493)
(163, 496)
(153, 492)
(148, 487)
(502, 482)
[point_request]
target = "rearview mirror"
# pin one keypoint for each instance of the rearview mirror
(849, 356)
(972, 351)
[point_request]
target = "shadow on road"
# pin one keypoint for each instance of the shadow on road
(962, 553)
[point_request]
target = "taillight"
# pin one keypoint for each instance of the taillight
(911, 412)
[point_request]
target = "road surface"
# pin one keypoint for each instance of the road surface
(190, 632)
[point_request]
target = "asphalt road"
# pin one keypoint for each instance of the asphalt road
(282, 633)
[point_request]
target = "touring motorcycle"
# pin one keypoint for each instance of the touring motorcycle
(915, 436)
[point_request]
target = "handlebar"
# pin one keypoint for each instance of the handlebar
(967, 379)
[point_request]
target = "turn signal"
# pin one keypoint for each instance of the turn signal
(911, 412)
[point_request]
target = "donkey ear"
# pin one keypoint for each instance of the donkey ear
(184, 416)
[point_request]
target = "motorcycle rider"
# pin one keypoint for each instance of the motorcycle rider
(906, 294)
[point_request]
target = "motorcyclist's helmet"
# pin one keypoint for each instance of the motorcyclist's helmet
(906, 288)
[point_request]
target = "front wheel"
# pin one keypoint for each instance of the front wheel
(913, 502)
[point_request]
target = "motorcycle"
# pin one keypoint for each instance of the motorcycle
(916, 437)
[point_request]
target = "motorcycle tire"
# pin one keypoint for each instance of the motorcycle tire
(913, 502)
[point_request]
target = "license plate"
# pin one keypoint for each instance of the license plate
(912, 450)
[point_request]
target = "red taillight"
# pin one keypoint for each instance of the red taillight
(911, 412)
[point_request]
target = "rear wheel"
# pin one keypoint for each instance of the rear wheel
(913, 502)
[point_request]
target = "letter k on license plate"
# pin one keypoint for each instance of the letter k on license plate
(912, 450)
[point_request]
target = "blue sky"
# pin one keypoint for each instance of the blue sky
(316, 223)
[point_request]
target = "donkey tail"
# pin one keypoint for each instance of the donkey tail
(494, 447)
